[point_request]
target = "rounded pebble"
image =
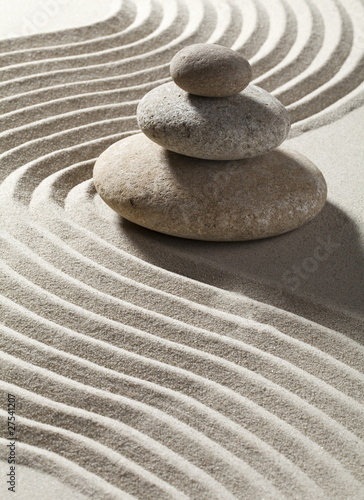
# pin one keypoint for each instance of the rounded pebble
(210, 70)
(247, 124)
(209, 200)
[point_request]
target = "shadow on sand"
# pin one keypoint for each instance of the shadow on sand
(322, 262)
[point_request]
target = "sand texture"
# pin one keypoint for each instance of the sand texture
(151, 367)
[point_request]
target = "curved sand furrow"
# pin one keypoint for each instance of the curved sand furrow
(310, 34)
(336, 109)
(333, 399)
(70, 254)
(69, 231)
(191, 31)
(239, 332)
(317, 421)
(229, 24)
(327, 459)
(123, 52)
(69, 184)
(91, 222)
(155, 456)
(59, 91)
(207, 392)
(148, 421)
(236, 438)
(235, 328)
(282, 35)
(118, 434)
(255, 29)
(49, 162)
(332, 317)
(177, 19)
(195, 481)
(234, 19)
(336, 47)
(350, 79)
(77, 128)
(49, 109)
(67, 472)
(261, 336)
(179, 436)
(117, 22)
(26, 183)
(331, 78)
(185, 42)
(324, 69)
(143, 17)
(233, 375)
(92, 456)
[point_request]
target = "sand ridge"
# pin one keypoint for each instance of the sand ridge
(143, 367)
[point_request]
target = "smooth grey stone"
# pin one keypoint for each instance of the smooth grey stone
(210, 70)
(205, 199)
(228, 128)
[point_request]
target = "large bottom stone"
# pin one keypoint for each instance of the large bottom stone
(207, 199)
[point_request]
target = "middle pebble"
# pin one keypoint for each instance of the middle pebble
(248, 124)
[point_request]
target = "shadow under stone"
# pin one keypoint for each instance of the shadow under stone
(322, 261)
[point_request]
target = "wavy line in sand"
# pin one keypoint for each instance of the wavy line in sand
(205, 393)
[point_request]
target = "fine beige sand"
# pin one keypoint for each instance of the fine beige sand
(147, 366)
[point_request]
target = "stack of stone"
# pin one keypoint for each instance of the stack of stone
(207, 165)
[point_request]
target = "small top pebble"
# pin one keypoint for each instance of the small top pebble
(210, 70)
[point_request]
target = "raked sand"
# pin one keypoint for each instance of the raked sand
(146, 366)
